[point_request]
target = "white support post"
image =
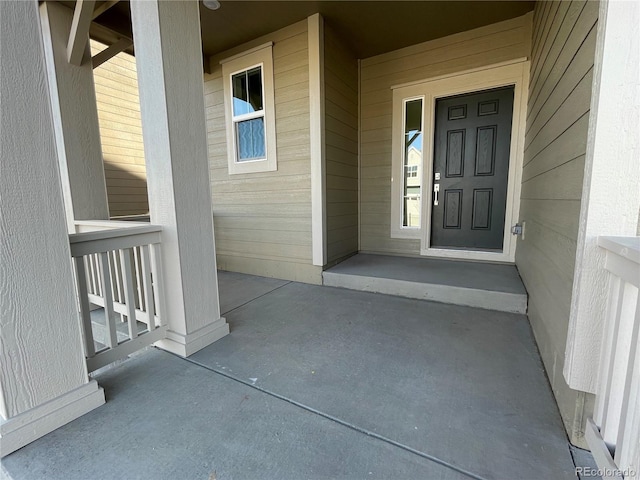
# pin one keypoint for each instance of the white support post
(611, 187)
(75, 118)
(170, 77)
(43, 375)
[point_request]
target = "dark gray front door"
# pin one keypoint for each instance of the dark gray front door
(471, 167)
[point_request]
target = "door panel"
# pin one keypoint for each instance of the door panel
(471, 159)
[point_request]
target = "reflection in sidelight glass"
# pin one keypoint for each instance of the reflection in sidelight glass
(412, 163)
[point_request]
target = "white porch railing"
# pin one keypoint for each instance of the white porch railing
(118, 268)
(614, 432)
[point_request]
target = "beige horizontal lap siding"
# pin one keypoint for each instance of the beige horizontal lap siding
(263, 220)
(563, 50)
(116, 84)
(484, 46)
(341, 146)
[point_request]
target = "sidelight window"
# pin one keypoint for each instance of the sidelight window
(412, 163)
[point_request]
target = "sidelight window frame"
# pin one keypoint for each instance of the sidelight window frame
(401, 97)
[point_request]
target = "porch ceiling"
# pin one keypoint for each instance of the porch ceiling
(370, 27)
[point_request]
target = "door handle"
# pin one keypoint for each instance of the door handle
(436, 189)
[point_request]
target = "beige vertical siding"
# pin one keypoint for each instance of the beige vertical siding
(495, 43)
(263, 220)
(563, 49)
(341, 141)
(121, 133)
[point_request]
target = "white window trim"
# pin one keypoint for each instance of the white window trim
(514, 73)
(400, 99)
(260, 56)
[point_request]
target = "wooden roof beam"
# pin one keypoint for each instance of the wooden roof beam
(103, 8)
(79, 35)
(111, 51)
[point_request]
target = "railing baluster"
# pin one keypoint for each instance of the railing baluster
(112, 336)
(92, 275)
(136, 256)
(148, 286)
(87, 276)
(112, 278)
(129, 295)
(156, 264)
(609, 429)
(605, 354)
(96, 266)
(631, 381)
(85, 310)
(117, 279)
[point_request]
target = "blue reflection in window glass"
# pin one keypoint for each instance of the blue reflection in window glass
(250, 137)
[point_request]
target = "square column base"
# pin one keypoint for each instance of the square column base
(18, 431)
(185, 345)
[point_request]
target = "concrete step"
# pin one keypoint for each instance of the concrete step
(472, 284)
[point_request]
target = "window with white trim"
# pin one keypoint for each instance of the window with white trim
(408, 147)
(248, 115)
(250, 111)
(412, 162)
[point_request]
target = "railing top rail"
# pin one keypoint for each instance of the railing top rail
(626, 247)
(145, 217)
(94, 225)
(108, 237)
(132, 229)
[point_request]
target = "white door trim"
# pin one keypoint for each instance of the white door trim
(516, 74)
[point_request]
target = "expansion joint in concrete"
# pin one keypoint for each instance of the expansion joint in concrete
(337, 420)
(256, 298)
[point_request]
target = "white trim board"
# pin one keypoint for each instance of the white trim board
(185, 345)
(18, 431)
(317, 140)
(493, 76)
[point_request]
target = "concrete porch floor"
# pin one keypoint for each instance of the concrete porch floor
(318, 382)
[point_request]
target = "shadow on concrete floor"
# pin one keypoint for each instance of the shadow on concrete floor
(316, 382)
